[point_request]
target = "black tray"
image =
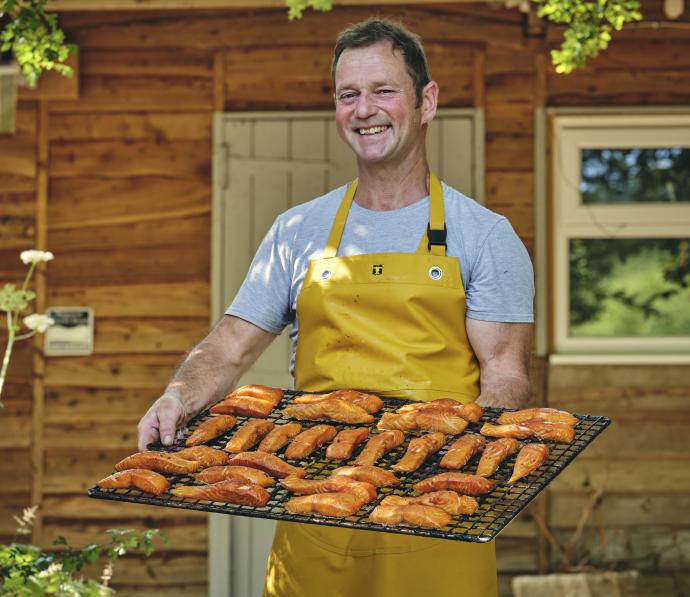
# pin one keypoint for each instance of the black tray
(496, 509)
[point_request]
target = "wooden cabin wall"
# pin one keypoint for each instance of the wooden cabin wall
(128, 217)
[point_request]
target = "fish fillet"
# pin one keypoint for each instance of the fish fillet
(378, 445)
(274, 395)
(269, 463)
(345, 442)
(329, 410)
(538, 428)
(278, 437)
(369, 402)
(221, 473)
(143, 479)
(417, 515)
(443, 421)
(244, 406)
(553, 415)
(364, 491)
(164, 462)
(462, 450)
(471, 411)
(210, 429)
(205, 455)
(234, 491)
(494, 453)
(529, 458)
(459, 482)
(453, 503)
(335, 505)
(378, 477)
(418, 450)
(309, 440)
(247, 435)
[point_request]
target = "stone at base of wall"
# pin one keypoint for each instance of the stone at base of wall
(577, 584)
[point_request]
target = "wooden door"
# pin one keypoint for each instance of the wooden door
(265, 163)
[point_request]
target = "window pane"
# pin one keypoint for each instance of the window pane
(654, 175)
(629, 287)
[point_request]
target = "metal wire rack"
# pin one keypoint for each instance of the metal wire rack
(496, 509)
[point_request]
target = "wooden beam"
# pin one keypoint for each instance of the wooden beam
(102, 5)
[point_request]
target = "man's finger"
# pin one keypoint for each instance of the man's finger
(167, 423)
(148, 433)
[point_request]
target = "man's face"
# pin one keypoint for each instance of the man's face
(375, 105)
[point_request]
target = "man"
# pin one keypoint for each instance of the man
(396, 285)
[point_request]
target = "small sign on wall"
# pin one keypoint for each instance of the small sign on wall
(72, 333)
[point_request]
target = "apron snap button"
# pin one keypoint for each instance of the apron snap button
(325, 274)
(435, 272)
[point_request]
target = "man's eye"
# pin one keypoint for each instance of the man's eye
(344, 97)
(384, 91)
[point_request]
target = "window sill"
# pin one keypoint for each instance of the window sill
(619, 359)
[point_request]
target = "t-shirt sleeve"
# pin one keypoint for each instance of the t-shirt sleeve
(501, 284)
(264, 297)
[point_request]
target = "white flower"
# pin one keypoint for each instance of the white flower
(34, 256)
(39, 322)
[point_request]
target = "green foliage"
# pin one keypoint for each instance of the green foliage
(590, 24)
(296, 8)
(27, 571)
(34, 38)
(13, 299)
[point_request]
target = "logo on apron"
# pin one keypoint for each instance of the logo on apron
(377, 269)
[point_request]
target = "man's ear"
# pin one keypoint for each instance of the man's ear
(429, 101)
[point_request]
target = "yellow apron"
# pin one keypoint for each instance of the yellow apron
(392, 324)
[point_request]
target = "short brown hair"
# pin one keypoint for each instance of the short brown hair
(373, 31)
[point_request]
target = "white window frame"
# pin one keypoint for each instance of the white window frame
(572, 219)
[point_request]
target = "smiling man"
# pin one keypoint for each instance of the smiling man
(396, 284)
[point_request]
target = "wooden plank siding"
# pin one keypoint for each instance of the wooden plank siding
(128, 218)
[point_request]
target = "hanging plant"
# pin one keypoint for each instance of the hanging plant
(34, 38)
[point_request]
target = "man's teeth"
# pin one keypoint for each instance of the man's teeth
(372, 130)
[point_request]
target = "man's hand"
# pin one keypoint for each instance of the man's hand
(161, 421)
(503, 351)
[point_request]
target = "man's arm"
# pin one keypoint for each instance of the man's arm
(209, 372)
(503, 351)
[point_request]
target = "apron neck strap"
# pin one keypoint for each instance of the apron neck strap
(434, 239)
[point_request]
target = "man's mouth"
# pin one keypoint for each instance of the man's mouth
(373, 130)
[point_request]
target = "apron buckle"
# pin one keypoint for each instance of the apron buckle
(436, 237)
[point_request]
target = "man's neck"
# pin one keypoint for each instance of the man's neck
(383, 188)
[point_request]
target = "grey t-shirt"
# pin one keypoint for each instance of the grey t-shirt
(495, 267)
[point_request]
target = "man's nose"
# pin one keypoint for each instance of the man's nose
(365, 106)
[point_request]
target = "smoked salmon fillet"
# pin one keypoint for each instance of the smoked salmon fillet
(278, 437)
(471, 411)
(221, 473)
(378, 477)
(418, 450)
(340, 411)
(434, 419)
(369, 402)
(210, 429)
(345, 442)
(268, 463)
(250, 401)
(417, 515)
(334, 505)
(458, 482)
(247, 435)
(552, 415)
(233, 491)
(462, 450)
(365, 491)
(494, 453)
(539, 428)
(378, 445)
(164, 462)
(529, 458)
(309, 440)
(453, 503)
(138, 478)
(204, 454)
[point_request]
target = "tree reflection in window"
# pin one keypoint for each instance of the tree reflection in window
(650, 175)
(629, 287)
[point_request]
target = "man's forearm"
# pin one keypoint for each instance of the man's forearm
(505, 390)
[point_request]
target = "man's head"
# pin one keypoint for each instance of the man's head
(374, 31)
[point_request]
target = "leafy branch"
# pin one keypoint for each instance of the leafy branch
(35, 38)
